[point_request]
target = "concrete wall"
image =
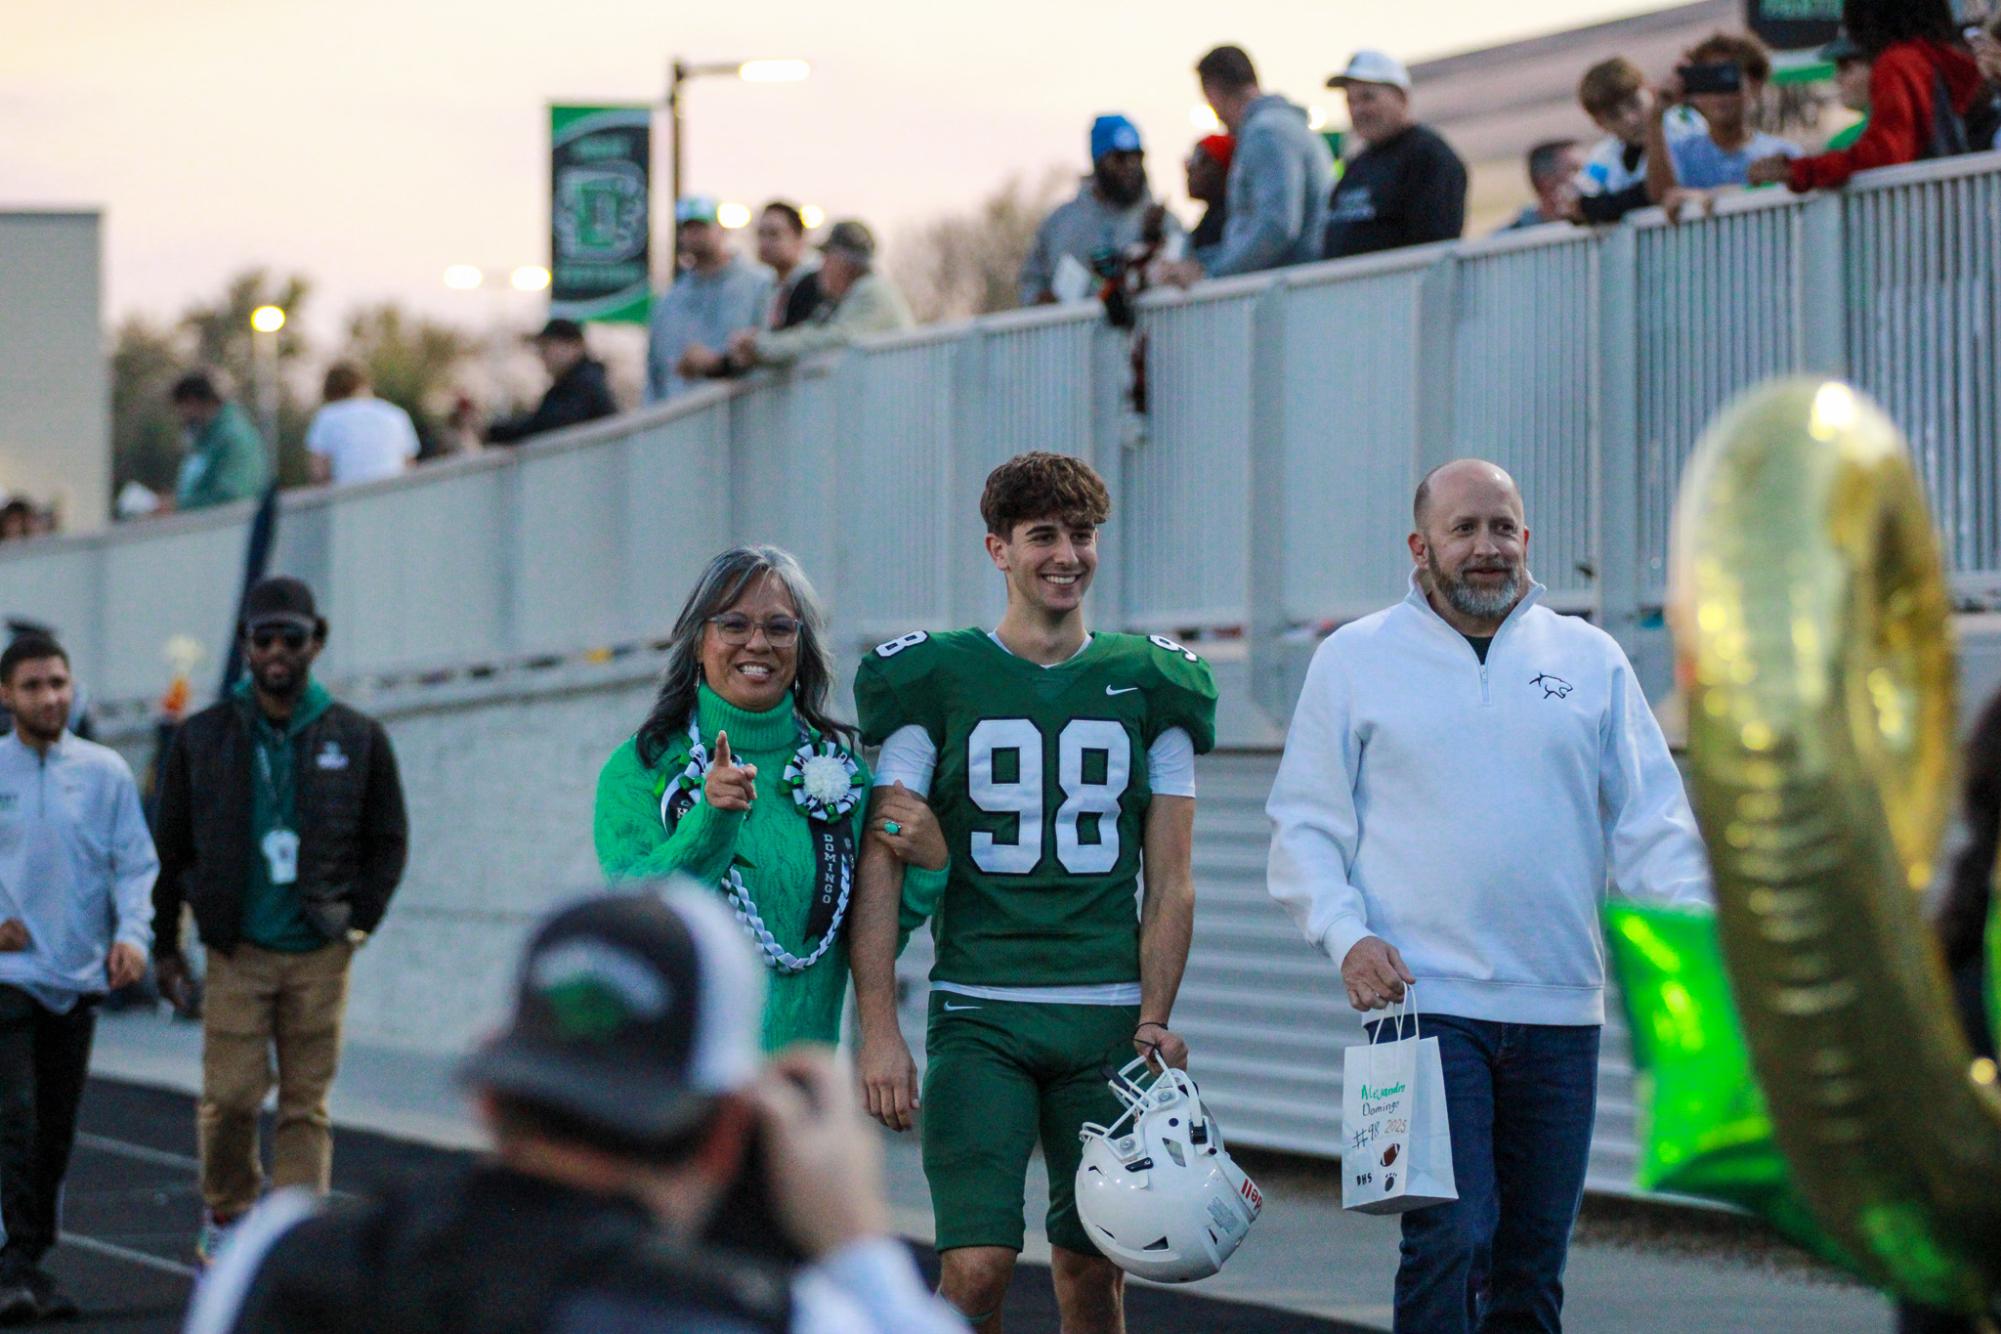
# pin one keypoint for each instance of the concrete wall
(55, 391)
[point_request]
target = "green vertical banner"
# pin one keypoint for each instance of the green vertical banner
(600, 228)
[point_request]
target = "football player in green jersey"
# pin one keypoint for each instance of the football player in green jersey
(1057, 763)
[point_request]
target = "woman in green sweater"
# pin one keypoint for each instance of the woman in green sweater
(740, 779)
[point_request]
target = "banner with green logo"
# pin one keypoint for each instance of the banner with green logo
(600, 228)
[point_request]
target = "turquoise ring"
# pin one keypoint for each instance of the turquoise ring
(892, 828)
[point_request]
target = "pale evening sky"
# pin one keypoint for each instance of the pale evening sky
(370, 143)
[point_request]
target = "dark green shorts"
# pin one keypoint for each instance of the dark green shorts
(1000, 1075)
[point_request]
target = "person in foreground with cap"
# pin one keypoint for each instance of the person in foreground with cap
(1108, 213)
(1406, 187)
(716, 294)
(634, 1133)
(859, 301)
(281, 824)
(577, 390)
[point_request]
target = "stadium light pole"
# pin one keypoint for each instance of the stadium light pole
(265, 322)
(681, 71)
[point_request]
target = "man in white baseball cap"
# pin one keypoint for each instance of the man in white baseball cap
(1406, 187)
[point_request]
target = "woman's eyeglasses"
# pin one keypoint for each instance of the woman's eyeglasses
(734, 629)
(292, 637)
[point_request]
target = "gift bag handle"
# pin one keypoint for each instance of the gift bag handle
(1397, 1013)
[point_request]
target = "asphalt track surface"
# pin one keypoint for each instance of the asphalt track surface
(131, 1211)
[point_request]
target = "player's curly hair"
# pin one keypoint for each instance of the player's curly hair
(1041, 485)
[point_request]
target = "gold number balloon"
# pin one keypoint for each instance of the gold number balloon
(1814, 641)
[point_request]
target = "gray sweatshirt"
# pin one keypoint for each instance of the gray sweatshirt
(704, 308)
(76, 866)
(1280, 179)
(1085, 224)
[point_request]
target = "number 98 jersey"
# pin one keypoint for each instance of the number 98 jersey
(1041, 789)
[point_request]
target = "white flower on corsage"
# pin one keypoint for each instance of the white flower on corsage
(825, 780)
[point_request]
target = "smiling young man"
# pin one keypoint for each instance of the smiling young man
(281, 824)
(1058, 762)
(1465, 772)
(76, 876)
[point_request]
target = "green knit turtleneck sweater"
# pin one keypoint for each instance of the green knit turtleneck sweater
(771, 844)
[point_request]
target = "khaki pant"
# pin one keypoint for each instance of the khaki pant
(259, 1002)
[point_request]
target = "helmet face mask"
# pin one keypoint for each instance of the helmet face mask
(1156, 1190)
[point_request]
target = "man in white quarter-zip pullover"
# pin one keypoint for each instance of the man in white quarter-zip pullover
(76, 920)
(1465, 773)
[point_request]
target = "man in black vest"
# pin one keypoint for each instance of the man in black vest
(281, 823)
(629, 1113)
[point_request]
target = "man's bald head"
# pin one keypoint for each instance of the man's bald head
(1459, 482)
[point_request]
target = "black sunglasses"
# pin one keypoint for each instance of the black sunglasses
(293, 637)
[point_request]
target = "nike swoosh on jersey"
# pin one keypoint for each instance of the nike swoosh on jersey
(956, 1008)
(1120, 690)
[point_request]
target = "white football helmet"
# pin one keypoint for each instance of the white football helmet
(1156, 1189)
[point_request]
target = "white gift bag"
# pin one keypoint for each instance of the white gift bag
(1396, 1141)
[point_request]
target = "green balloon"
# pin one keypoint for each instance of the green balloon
(1705, 1130)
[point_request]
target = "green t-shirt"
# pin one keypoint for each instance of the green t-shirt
(274, 916)
(1846, 139)
(1042, 791)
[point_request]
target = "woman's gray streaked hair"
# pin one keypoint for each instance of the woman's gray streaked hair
(722, 582)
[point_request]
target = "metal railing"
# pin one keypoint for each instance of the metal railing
(1265, 489)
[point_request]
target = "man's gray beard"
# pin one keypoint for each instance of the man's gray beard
(1474, 604)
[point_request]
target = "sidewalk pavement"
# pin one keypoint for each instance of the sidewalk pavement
(1305, 1254)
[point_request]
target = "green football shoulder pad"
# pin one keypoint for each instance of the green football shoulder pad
(894, 683)
(1180, 688)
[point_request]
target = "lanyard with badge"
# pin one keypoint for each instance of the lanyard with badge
(280, 845)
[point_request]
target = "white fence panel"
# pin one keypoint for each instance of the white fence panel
(1719, 311)
(1350, 420)
(1183, 498)
(1526, 390)
(895, 485)
(1924, 304)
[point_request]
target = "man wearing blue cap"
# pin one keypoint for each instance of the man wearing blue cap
(1108, 214)
(719, 293)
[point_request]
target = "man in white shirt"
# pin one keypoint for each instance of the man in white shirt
(1465, 772)
(357, 437)
(76, 895)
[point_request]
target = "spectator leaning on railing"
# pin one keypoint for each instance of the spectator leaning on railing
(1615, 95)
(1926, 95)
(1553, 167)
(1851, 88)
(1724, 79)
(782, 248)
(577, 389)
(1406, 187)
(1109, 213)
(226, 460)
(717, 294)
(357, 437)
(1208, 169)
(1280, 174)
(859, 301)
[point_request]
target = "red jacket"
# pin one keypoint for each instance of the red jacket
(1900, 112)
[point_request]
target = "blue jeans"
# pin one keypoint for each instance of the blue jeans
(1521, 1098)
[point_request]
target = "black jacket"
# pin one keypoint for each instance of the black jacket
(1409, 190)
(493, 1251)
(353, 834)
(582, 395)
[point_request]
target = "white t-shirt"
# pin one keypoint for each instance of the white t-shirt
(363, 439)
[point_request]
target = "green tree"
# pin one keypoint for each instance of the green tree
(967, 264)
(412, 361)
(220, 338)
(145, 435)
